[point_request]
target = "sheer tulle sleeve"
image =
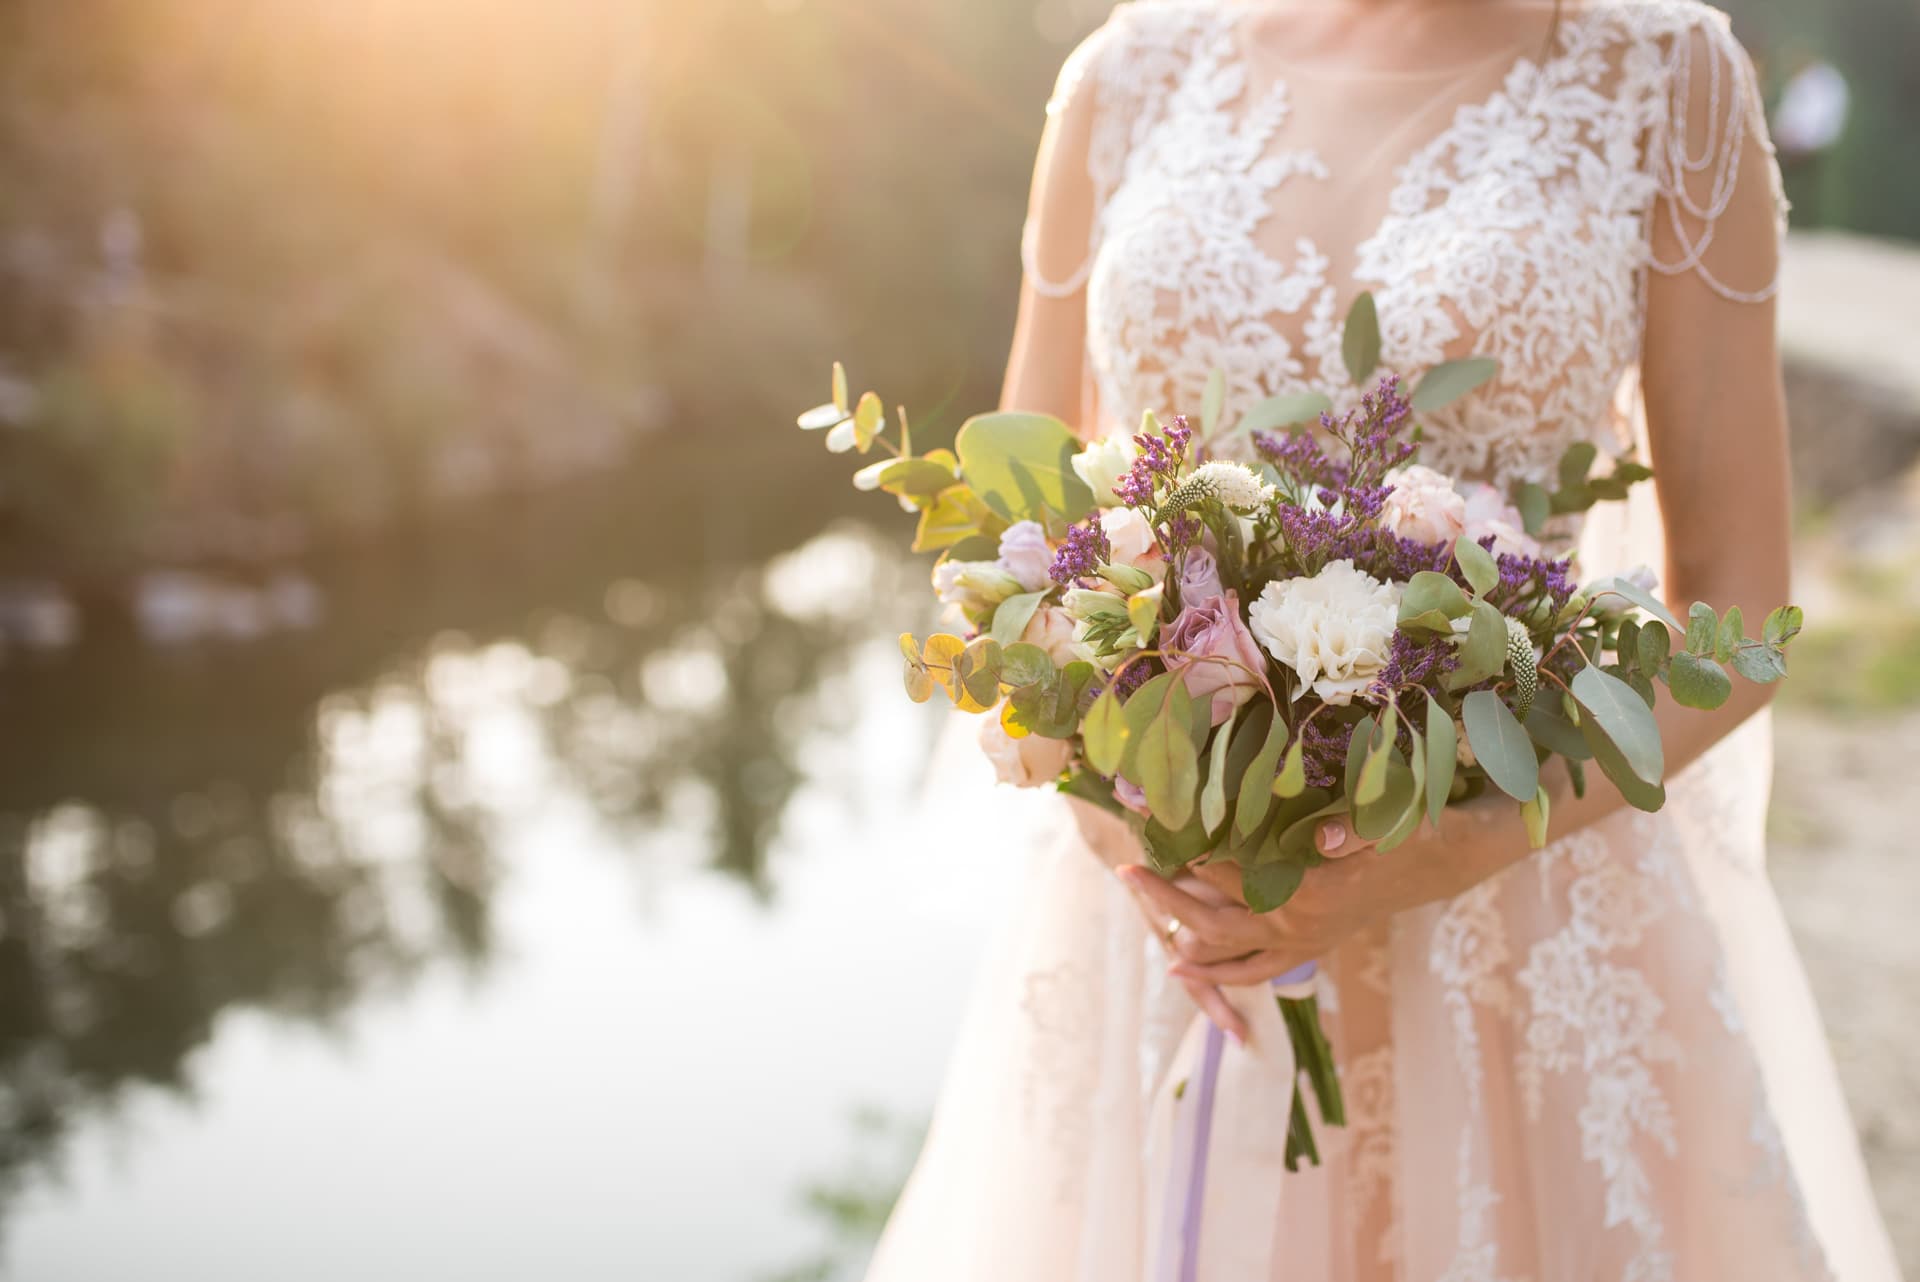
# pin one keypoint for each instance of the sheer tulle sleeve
(1719, 212)
(1058, 242)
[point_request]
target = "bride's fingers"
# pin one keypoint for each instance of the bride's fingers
(1216, 1008)
(1219, 926)
(1255, 969)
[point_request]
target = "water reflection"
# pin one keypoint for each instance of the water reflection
(293, 826)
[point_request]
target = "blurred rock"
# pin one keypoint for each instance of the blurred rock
(1850, 342)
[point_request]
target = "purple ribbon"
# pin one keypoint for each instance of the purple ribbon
(1200, 1122)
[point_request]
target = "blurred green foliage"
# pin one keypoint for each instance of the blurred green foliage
(274, 271)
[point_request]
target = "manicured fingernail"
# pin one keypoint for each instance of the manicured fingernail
(1333, 834)
(1238, 1040)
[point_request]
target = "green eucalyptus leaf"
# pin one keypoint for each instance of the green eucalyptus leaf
(1782, 625)
(1021, 466)
(977, 668)
(1448, 381)
(869, 416)
(1442, 744)
(1025, 664)
(1759, 663)
(1483, 653)
(1625, 720)
(1284, 411)
(1170, 849)
(1168, 761)
(1654, 643)
(1213, 795)
(1534, 815)
(1360, 340)
(1432, 601)
(918, 680)
(1140, 708)
(1477, 565)
(1011, 616)
(1375, 818)
(1703, 628)
(1268, 886)
(1576, 463)
(1143, 611)
(1500, 744)
(1104, 733)
(1730, 635)
(1409, 820)
(1555, 733)
(1698, 682)
(1380, 749)
(1535, 505)
(1627, 644)
(1577, 772)
(1639, 794)
(1249, 736)
(1256, 794)
(1211, 401)
(1639, 596)
(1292, 779)
(1357, 745)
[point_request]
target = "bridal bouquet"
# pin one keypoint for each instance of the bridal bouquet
(1228, 636)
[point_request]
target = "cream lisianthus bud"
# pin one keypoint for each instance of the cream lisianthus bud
(1103, 463)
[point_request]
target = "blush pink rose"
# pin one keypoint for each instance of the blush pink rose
(1024, 763)
(1213, 630)
(1424, 506)
(1488, 512)
(1052, 629)
(1130, 536)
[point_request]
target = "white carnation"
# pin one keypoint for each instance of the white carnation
(1334, 629)
(1103, 463)
(1234, 484)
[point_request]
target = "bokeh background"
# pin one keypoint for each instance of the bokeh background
(452, 776)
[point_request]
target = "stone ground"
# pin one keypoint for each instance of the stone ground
(1845, 852)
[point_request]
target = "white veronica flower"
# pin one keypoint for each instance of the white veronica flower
(1334, 629)
(1103, 463)
(1234, 484)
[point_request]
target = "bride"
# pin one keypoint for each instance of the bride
(1597, 1061)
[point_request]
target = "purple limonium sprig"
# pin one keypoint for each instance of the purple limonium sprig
(1524, 578)
(1324, 751)
(1131, 678)
(1160, 458)
(1414, 662)
(1082, 554)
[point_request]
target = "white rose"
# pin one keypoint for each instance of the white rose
(1103, 463)
(1333, 630)
(1130, 535)
(1053, 630)
(1025, 763)
(1026, 555)
(1489, 513)
(1424, 506)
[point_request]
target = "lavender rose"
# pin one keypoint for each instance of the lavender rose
(1199, 578)
(1206, 633)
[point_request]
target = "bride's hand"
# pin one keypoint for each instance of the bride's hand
(1225, 943)
(1110, 838)
(1331, 904)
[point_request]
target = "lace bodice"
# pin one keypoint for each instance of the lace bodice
(1509, 203)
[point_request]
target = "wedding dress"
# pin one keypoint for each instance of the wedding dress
(1603, 1063)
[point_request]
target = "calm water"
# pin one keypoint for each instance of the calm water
(553, 911)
